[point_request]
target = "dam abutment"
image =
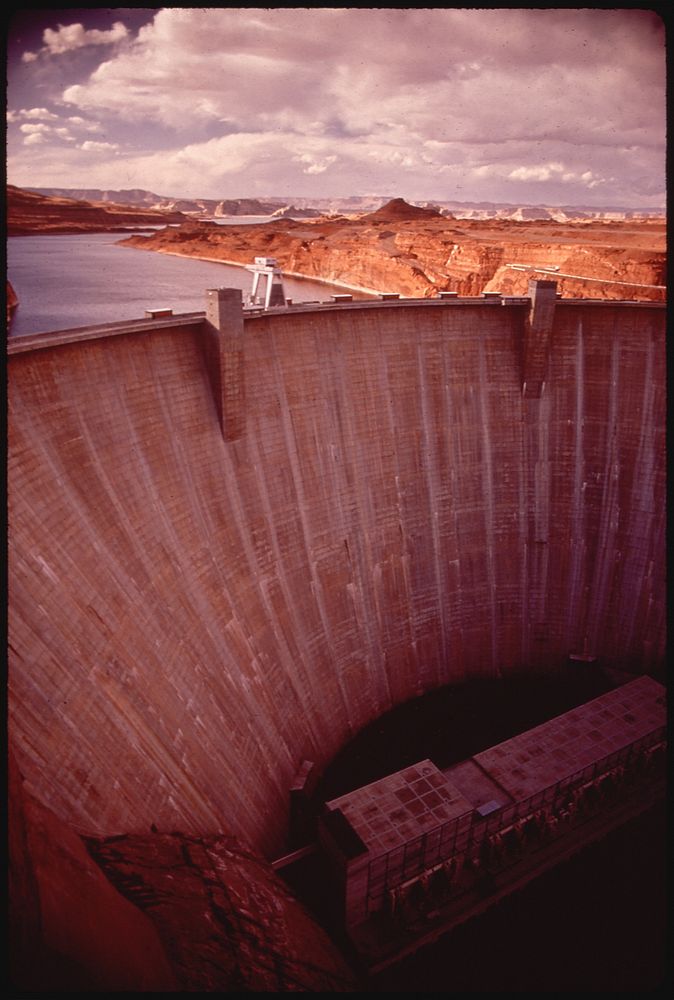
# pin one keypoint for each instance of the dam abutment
(198, 606)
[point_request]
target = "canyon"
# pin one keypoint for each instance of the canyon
(402, 248)
(418, 252)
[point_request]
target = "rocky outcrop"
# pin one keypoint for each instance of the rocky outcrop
(240, 206)
(12, 302)
(28, 212)
(156, 913)
(398, 210)
(227, 920)
(290, 212)
(417, 253)
(69, 927)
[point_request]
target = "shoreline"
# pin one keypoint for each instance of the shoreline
(131, 230)
(237, 263)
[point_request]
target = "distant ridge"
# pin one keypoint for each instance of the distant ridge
(140, 198)
(351, 205)
(31, 212)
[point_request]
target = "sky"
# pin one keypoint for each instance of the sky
(525, 106)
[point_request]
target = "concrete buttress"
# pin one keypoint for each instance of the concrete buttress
(224, 318)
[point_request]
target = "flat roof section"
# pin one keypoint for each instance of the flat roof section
(476, 785)
(534, 760)
(402, 806)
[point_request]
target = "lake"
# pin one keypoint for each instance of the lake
(69, 281)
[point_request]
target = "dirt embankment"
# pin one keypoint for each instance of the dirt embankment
(420, 253)
(29, 213)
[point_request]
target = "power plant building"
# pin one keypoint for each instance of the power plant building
(388, 839)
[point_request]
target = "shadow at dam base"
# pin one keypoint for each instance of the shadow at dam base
(595, 922)
(455, 722)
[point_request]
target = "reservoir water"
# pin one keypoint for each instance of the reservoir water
(64, 282)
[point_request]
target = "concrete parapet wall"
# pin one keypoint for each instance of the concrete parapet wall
(191, 617)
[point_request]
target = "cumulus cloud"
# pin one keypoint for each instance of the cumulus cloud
(76, 121)
(67, 38)
(37, 132)
(314, 165)
(536, 173)
(26, 127)
(89, 146)
(41, 114)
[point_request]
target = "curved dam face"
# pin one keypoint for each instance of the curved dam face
(191, 617)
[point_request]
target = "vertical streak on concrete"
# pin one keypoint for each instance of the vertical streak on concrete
(302, 507)
(642, 506)
(431, 475)
(575, 620)
(357, 522)
(392, 387)
(354, 523)
(536, 520)
(604, 564)
(224, 316)
(488, 494)
(366, 604)
(296, 688)
(542, 472)
(523, 521)
(454, 670)
(294, 662)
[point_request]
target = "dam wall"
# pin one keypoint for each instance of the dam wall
(191, 617)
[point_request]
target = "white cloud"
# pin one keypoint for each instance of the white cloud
(67, 38)
(89, 146)
(27, 128)
(313, 164)
(40, 113)
(37, 132)
(77, 122)
(31, 113)
(542, 172)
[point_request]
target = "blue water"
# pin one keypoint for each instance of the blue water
(70, 281)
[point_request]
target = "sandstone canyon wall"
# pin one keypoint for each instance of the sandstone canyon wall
(190, 618)
(417, 253)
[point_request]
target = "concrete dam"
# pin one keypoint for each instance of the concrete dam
(404, 495)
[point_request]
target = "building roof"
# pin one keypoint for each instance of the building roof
(401, 807)
(540, 757)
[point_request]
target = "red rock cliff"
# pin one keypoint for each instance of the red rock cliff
(417, 253)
